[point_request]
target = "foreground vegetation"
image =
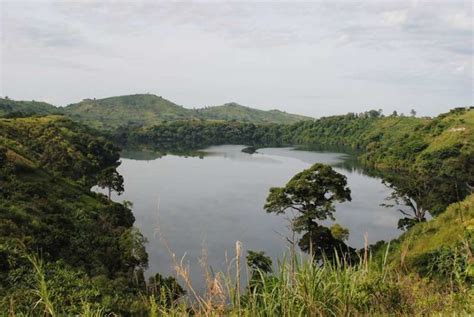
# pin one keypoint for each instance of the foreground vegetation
(383, 282)
(84, 244)
(65, 250)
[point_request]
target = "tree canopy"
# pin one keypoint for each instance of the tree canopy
(312, 193)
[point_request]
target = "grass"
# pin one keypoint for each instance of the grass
(453, 227)
(298, 287)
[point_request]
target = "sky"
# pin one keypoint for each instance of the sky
(314, 58)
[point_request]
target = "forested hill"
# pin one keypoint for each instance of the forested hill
(235, 112)
(147, 109)
(143, 110)
(53, 227)
(127, 110)
(10, 107)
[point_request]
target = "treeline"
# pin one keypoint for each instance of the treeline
(435, 155)
(196, 134)
(58, 240)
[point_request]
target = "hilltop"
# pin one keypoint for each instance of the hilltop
(235, 112)
(10, 107)
(147, 110)
(133, 110)
(143, 110)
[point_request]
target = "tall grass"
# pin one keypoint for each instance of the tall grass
(298, 287)
(301, 288)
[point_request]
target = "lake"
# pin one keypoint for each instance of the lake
(210, 202)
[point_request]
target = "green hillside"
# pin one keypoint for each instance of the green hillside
(439, 241)
(52, 224)
(133, 110)
(10, 107)
(147, 110)
(236, 112)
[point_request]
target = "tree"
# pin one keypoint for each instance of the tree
(3, 156)
(112, 180)
(165, 290)
(339, 232)
(259, 265)
(312, 193)
(413, 112)
(258, 261)
(321, 242)
(413, 196)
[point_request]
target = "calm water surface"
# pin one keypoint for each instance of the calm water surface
(211, 202)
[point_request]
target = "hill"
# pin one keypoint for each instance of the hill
(53, 227)
(147, 110)
(10, 107)
(133, 110)
(431, 247)
(236, 112)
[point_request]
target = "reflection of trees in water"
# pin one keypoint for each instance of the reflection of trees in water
(149, 155)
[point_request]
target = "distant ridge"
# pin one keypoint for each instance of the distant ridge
(234, 111)
(144, 110)
(19, 108)
(148, 109)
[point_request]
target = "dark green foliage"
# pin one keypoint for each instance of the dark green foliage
(260, 266)
(15, 109)
(3, 156)
(313, 193)
(165, 290)
(320, 241)
(258, 261)
(186, 135)
(88, 245)
(339, 232)
(109, 178)
(249, 149)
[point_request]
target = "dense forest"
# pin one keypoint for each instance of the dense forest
(53, 227)
(66, 250)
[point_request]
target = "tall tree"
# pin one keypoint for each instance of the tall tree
(112, 180)
(312, 193)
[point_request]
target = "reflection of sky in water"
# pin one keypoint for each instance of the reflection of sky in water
(212, 202)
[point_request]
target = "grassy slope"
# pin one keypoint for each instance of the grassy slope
(398, 141)
(149, 109)
(26, 107)
(236, 112)
(134, 109)
(452, 228)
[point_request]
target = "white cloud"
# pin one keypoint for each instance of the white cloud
(349, 54)
(461, 21)
(394, 18)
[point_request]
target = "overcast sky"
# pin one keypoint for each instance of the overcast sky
(314, 58)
